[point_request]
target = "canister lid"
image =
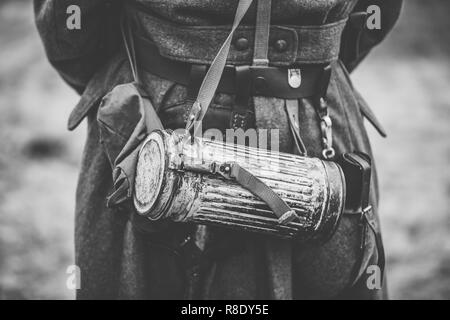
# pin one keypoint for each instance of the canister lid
(150, 171)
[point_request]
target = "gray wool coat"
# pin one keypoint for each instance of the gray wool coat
(119, 260)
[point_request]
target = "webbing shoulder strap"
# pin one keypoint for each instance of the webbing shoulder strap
(212, 78)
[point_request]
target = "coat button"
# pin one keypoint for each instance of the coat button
(260, 85)
(241, 44)
(281, 45)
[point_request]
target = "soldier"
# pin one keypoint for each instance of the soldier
(166, 46)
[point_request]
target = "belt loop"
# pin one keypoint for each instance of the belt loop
(241, 103)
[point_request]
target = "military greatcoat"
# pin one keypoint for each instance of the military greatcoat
(118, 260)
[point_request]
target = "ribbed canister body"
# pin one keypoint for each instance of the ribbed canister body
(174, 181)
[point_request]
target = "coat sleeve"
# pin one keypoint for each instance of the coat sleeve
(357, 40)
(78, 54)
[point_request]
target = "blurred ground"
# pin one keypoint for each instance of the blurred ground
(38, 164)
(406, 81)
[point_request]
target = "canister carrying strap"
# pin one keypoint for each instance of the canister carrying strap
(206, 93)
(212, 78)
(260, 59)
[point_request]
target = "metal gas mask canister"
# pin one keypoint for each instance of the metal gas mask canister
(183, 182)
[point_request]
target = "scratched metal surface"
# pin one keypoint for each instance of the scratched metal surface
(407, 75)
(191, 193)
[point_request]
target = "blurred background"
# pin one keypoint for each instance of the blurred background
(406, 81)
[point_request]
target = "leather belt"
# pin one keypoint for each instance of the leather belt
(257, 81)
